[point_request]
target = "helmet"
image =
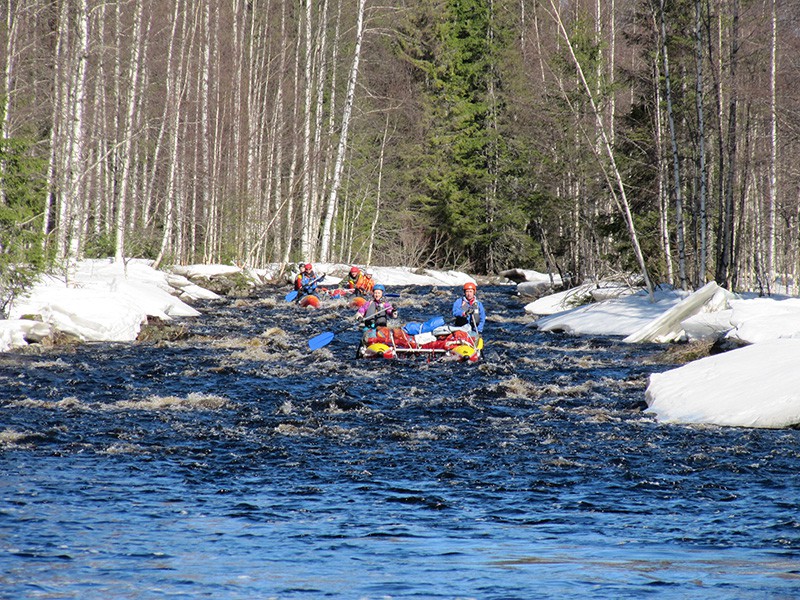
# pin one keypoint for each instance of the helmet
(369, 273)
(380, 287)
(470, 286)
(309, 267)
(353, 270)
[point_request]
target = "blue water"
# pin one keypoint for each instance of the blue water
(234, 464)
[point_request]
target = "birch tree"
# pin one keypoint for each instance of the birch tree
(340, 153)
(618, 187)
(773, 136)
(725, 274)
(701, 147)
(310, 217)
(676, 172)
(175, 77)
(72, 202)
(128, 133)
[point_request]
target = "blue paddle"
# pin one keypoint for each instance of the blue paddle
(325, 338)
(321, 340)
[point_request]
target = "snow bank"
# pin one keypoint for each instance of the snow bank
(762, 319)
(754, 386)
(668, 327)
(97, 300)
(618, 316)
(577, 296)
(89, 314)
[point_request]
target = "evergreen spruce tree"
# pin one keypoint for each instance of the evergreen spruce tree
(22, 193)
(457, 163)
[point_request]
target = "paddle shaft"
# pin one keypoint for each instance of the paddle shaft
(294, 293)
(326, 337)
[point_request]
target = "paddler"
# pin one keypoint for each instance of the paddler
(375, 312)
(468, 310)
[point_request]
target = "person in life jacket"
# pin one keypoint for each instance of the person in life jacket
(307, 281)
(468, 310)
(365, 283)
(375, 312)
(352, 278)
(298, 279)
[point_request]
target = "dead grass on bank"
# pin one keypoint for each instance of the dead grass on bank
(683, 353)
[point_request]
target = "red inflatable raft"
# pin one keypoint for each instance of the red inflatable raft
(442, 344)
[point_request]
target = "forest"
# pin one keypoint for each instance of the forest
(656, 139)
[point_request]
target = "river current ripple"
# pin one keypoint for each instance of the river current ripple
(235, 464)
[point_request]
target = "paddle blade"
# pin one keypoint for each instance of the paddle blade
(318, 341)
(290, 296)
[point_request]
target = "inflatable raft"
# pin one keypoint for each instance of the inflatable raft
(442, 343)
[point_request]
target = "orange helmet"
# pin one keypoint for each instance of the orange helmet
(470, 286)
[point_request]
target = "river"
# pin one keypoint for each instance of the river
(233, 463)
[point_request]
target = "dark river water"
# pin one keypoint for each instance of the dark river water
(234, 463)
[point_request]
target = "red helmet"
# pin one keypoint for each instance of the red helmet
(353, 270)
(309, 267)
(470, 286)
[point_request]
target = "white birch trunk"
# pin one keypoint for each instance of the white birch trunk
(239, 9)
(174, 102)
(773, 166)
(663, 202)
(8, 76)
(205, 127)
(289, 230)
(620, 196)
(128, 133)
(346, 115)
(74, 214)
(378, 191)
(310, 218)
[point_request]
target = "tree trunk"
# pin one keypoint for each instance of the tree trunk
(618, 191)
(290, 187)
(725, 265)
(701, 142)
(676, 173)
(128, 133)
(340, 153)
(773, 165)
(663, 199)
(310, 217)
(12, 18)
(73, 214)
(378, 191)
(174, 102)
